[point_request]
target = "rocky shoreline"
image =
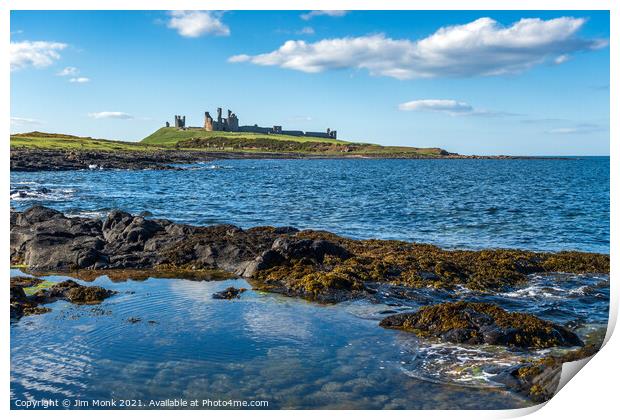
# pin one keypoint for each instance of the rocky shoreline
(35, 159)
(313, 265)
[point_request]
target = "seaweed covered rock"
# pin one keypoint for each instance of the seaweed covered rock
(312, 269)
(409, 265)
(538, 379)
(311, 264)
(482, 323)
(229, 293)
(302, 267)
(24, 281)
(73, 292)
(22, 305)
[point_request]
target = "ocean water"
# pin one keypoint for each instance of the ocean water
(167, 338)
(530, 204)
(161, 339)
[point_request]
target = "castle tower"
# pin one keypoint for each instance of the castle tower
(179, 122)
(219, 116)
(208, 122)
(232, 121)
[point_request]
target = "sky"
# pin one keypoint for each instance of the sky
(470, 82)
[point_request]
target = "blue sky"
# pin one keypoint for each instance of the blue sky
(529, 83)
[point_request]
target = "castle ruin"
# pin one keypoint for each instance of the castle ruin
(179, 122)
(231, 124)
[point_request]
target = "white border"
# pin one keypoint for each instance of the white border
(592, 395)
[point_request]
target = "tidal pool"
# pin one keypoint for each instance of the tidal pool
(168, 338)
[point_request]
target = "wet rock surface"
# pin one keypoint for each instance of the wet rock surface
(30, 160)
(69, 290)
(313, 265)
(482, 323)
(22, 305)
(33, 160)
(73, 292)
(229, 293)
(539, 379)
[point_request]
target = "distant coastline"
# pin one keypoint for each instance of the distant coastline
(168, 147)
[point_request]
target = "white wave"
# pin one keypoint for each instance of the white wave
(45, 194)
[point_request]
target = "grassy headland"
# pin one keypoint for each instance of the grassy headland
(277, 143)
(50, 141)
(218, 141)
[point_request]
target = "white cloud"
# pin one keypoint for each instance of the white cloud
(308, 30)
(449, 106)
(577, 129)
(543, 120)
(560, 59)
(37, 54)
(79, 80)
(17, 121)
(239, 58)
(479, 48)
(331, 13)
(195, 23)
(112, 115)
(68, 71)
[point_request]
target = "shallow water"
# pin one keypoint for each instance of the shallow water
(184, 344)
(167, 338)
(530, 204)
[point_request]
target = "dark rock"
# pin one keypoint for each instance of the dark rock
(229, 293)
(539, 379)
(22, 305)
(29, 160)
(482, 323)
(310, 264)
(25, 281)
(315, 250)
(69, 290)
(73, 292)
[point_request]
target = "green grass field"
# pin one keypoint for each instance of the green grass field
(170, 136)
(37, 140)
(218, 141)
(256, 142)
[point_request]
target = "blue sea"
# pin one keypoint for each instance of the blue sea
(167, 338)
(551, 205)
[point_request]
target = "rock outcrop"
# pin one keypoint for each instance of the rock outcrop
(229, 293)
(482, 323)
(311, 264)
(69, 290)
(32, 160)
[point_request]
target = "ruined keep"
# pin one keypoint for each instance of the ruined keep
(179, 122)
(231, 123)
